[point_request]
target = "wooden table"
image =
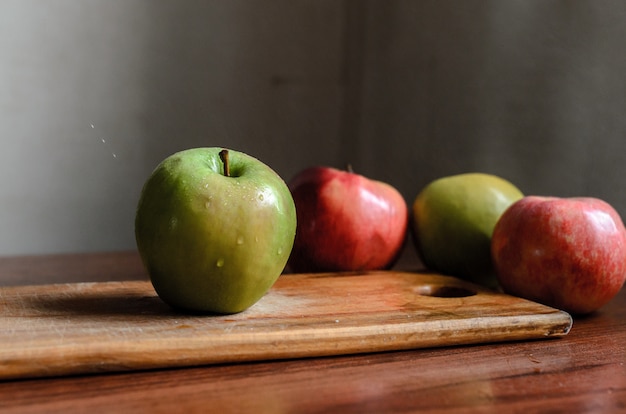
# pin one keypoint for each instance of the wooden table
(582, 372)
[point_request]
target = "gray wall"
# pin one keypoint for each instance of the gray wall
(94, 93)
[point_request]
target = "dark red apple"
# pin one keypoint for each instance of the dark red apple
(346, 222)
(568, 253)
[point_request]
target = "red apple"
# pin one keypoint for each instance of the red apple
(345, 222)
(568, 253)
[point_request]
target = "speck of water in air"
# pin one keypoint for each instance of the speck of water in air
(103, 140)
(219, 263)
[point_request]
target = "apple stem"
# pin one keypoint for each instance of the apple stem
(224, 158)
(349, 168)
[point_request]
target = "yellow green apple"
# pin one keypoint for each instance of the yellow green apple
(452, 221)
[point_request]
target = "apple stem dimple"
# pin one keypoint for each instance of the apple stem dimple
(224, 158)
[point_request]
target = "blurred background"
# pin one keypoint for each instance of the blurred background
(95, 93)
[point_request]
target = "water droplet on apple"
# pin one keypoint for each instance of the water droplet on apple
(261, 197)
(256, 239)
(207, 204)
(240, 240)
(206, 185)
(173, 223)
(219, 263)
(280, 251)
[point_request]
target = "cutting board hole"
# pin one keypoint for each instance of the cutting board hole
(445, 291)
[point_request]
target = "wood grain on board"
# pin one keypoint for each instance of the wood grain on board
(63, 329)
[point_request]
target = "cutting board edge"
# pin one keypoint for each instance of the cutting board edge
(557, 324)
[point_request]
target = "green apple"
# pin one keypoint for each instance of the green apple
(214, 229)
(453, 220)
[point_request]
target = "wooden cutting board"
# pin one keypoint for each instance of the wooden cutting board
(64, 329)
